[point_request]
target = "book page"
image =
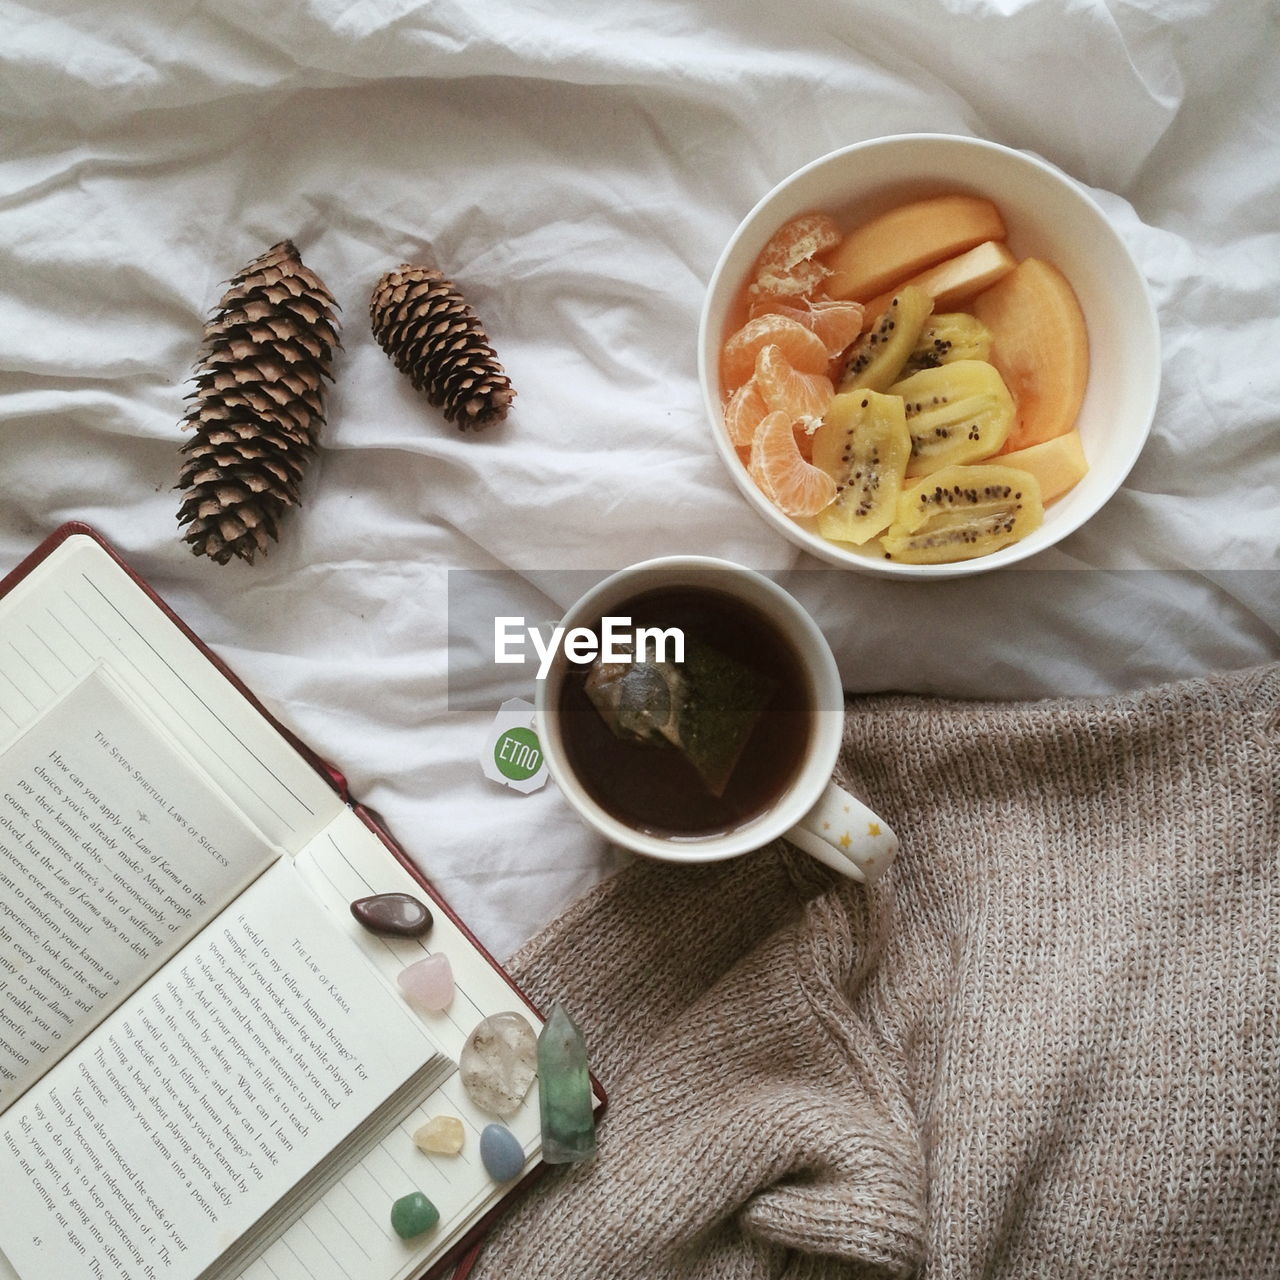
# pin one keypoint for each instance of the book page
(347, 1235)
(115, 849)
(262, 1049)
(78, 608)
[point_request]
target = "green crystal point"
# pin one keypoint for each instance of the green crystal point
(564, 1091)
(413, 1214)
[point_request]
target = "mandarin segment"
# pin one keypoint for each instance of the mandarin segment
(802, 347)
(837, 323)
(772, 304)
(787, 264)
(743, 413)
(795, 486)
(803, 397)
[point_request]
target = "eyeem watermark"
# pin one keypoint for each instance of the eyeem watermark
(614, 640)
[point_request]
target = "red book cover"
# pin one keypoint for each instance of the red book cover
(459, 1260)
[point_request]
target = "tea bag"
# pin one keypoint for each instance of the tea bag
(704, 707)
(639, 700)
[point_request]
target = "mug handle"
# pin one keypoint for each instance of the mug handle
(843, 833)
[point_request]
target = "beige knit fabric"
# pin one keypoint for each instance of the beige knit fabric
(1046, 1044)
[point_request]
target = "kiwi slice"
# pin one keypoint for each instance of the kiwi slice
(863, 445)
(958, 412)
(948, 336)
(961, 512)
(876, 359)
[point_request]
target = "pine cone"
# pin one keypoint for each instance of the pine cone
(258, 404)
(436, 340)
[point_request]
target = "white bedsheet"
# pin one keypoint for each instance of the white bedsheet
(577, 167)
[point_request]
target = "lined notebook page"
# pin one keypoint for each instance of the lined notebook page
(78, 607)
(347, 1234)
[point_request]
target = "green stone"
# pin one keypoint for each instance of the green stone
(564, 1091)
(413, 1214)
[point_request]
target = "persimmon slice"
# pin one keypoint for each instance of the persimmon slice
(1041, 347)
(907, 239)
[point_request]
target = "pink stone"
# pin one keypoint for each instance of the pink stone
(428, 984)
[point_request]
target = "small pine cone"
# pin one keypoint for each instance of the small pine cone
(258, 404)
(436, 340)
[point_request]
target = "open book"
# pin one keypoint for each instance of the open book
(206, 1069)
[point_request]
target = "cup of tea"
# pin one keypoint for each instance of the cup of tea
(717, 753)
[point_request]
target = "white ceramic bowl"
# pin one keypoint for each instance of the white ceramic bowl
(1048, 216)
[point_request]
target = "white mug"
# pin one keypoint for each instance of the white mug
(813, 812)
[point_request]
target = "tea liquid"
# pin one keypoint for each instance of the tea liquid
(654, 789)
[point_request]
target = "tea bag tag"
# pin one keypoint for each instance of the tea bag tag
(512, 754)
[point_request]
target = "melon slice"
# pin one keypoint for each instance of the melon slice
(952, 283)
(1041, 347)
(893, 247)
(1058, 464)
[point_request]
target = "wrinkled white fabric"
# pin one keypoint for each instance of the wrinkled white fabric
(577, 167)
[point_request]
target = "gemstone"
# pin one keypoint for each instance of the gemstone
(428, 983)
(498, 1063)
(500, 1152)
(399, 914)
(564, 1091)
(413, 1214)
(440, 1136)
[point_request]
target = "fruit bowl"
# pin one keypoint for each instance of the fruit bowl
(1047, 216)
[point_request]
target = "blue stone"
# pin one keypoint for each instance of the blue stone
(500, 1153)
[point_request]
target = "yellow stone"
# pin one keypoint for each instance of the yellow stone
(440, 1136)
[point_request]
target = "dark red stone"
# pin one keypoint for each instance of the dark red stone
(397, 914)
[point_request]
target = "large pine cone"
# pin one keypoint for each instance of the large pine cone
(258, 404)
(436, 340)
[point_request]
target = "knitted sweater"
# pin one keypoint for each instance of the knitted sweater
(1046, 1044)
